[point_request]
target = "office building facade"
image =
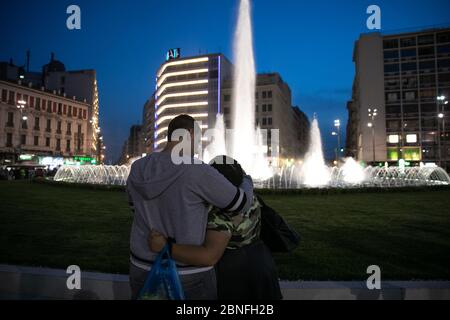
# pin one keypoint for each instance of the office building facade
(191, 86)
(398, 109)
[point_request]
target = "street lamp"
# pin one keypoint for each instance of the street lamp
(337, 125)
(372, 113)
(441, 115)
(21, 107)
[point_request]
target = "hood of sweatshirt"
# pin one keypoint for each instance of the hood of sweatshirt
(153, 175)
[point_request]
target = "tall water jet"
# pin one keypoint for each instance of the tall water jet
(352, 172)
(217, 146)
(244, 84)
(314, 172)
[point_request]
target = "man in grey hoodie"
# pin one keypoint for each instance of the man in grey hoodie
(173, 199)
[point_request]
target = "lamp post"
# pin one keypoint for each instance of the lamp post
(337, 125)
(441, 117)
(21, 107)
(372, 113)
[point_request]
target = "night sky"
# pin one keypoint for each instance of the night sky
(310, 43)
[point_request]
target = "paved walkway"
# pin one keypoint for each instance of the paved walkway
(18, 282)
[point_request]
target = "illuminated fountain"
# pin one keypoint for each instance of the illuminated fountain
(248, 148)
(314, 172)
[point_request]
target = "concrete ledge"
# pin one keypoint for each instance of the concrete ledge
(18, 282)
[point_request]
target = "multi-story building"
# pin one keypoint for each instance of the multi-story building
(134, 146)
(274, 111)
(202, 87)
(398, 108)
(148, 123)
(191, 85)
(51, 115)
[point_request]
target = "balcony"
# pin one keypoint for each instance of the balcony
(37, 128)
(49, 130)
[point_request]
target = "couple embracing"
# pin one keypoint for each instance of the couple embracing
(210, 215)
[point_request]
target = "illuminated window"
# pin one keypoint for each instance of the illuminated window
(393, 138)
(411, 138)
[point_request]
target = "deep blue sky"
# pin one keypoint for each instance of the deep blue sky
(309, 43)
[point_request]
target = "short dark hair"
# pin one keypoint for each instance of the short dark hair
(229, 168)
(181, 122)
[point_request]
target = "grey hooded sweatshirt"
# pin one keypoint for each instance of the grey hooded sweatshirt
(174, 199)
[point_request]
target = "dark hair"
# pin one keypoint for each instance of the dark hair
(229, 168)
(181, 122)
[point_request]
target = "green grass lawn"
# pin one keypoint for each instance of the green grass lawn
(407, 234)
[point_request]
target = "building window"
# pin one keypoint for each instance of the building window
(70, 111)
(69, 128)
(68, 146)
(408, 42)
(411, 138)
(79, 129)
(410, 95)
(264, 108)
(390, 44)
(393, 96)
(264, 95)
(391, 54)
(264, 121)
(59, 108)
(49, 125)
(49, 106)
(9, 140)
(427, 66)
(24, 124)
(23, 139)
(426, 39)
(31, 102)
(409, 53)
(12, 96)
(269, 94)
(75, 111)
(36, 140)
(269, 107)
(38, 103)
(4, 95)
(393, 138)
(65, 109)
(47, 142)
(391, 68)
(10, 122)
(269, 121)
(36, 123)
(443, 37)
(58, 144)
(58, 128)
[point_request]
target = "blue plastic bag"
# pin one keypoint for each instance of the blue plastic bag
(163, 282)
